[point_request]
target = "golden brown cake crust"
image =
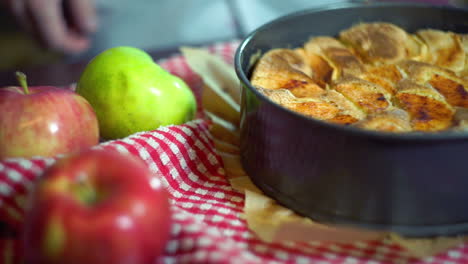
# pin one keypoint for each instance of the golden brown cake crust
(374, 76)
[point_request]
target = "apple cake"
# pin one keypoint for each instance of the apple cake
(373, 76)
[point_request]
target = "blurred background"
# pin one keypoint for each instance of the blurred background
(147, 24)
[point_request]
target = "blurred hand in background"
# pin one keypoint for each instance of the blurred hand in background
(62, 25)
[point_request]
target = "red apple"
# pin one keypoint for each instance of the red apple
(99, 206)
(44, 121)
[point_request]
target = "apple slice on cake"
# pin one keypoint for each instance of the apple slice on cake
(445, 49)
(381, 43)
(390, 120)
(452, 87)
(370, 97)
(285, 69)
(340, 58)
(428, 109)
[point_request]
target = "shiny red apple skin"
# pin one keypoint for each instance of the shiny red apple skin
(129, 223)
(45, 122)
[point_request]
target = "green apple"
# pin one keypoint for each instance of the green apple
(131, 93)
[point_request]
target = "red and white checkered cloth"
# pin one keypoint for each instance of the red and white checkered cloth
(207, 213)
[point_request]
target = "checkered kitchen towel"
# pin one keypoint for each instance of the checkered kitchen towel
(207, 213)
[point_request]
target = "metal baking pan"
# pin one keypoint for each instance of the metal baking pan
(414, 184)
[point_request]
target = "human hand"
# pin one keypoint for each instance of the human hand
(61, 25)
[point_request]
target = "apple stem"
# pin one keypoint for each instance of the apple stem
(22, 80)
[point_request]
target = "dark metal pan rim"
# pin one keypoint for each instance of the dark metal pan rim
(410, 136)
